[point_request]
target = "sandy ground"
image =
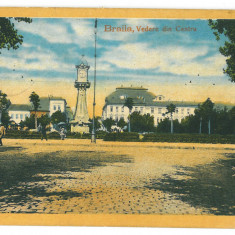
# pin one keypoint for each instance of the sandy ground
(118, 187)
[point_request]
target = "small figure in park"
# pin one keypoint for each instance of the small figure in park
(42, 130)
(2, 133)
(62, 133)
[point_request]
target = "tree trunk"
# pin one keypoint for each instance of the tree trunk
(129, 124)
(209, 127)
(172, 129)
(0, 116)
(200, 128)
(36, 124)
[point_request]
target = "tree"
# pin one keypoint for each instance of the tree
(121, 123)
(4, 105)
(34, 99)
(142, 123)
(206, 111)
(129, 104)
(58, 117)
(171, 109)
(97, 124)
(44, 120)
(108, 123)
(226, 28)
(29, 122)
(9, 37)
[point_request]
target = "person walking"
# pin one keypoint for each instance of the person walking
(2, 133)
(42, 130)
(62, 133)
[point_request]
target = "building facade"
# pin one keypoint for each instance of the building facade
(19, 112)
(48, 106)
(144, 102)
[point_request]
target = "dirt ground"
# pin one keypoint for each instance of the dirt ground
(75, 176)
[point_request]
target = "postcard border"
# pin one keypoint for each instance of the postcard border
(120, 220)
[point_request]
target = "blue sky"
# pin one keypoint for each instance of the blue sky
(52, 47)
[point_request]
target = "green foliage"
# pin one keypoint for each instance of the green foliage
(121, 123)
(9, 37)
(58, 117)
(141, 123)
(189, 138)
(35, 100)
(165, 126)
(97, 124)
(122, 136)
(108, 123)
(129, 103)
(29, 122)
(4, 105)
(44, 120)
(227, 29)
(170, 109)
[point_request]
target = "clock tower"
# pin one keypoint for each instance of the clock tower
(81, 117)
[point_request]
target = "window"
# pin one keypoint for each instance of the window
(136, 109)
(117, 109)
(182, 111)
(17, 116)
(21, 116)
(54, 107)
(122, 108)
(152, 110)
(160, 98)
(141, 109)
(26, 115)
(188, 111)
(176, 111)
(12, 116)
(111, 109)
(159, 110)
(59, 107)
(116, 117)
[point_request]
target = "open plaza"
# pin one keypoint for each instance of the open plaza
(75, 176)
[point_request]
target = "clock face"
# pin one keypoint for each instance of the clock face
(82, 75)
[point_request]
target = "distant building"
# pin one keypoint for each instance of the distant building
(18, 112)
(145, 102)
(48, 106)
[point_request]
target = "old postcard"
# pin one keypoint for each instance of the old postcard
(117, 117)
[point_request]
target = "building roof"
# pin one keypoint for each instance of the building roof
(141, 97)
(19, 107)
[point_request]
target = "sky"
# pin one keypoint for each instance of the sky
(181, 65)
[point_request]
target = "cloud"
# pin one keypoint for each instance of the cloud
(53, 33)
(40, 59)
(170, 59)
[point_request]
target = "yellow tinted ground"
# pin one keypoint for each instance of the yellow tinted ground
(118, 187)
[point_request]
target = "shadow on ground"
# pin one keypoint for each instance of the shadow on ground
(210, 186)
(21, 175)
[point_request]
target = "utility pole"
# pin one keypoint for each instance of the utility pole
(93, 136)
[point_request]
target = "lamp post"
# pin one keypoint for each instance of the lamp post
(93, 136)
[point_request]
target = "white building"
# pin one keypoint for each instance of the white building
(48, 105)
(145, 102)
(18, 112)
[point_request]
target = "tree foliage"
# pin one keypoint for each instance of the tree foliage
(141, 123)
(4, 105)
(121, 123)
(58, 117)
(9, 36)
(108, 123)
(97, 124)
(226, 28)
(35, 101)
